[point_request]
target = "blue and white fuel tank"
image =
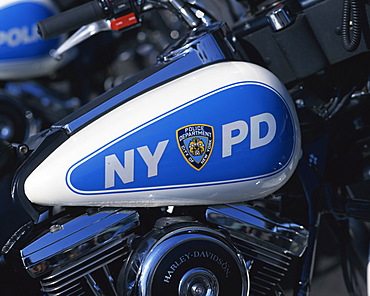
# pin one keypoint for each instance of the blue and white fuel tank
(198, 128)
(224, 133)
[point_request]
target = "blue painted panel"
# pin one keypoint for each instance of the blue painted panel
(246, 130)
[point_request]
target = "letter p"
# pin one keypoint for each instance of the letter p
(228, 140)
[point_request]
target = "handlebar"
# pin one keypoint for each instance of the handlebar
(122, 14)
(70, 20)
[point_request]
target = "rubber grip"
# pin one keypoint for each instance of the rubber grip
(70, 20)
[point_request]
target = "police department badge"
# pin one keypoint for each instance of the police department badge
(196, 143)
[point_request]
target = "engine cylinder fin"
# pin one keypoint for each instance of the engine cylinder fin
(257, 278)
(263, 257)
(63, 279)
(90, 263)
(268, 267)
(72, 290)
(260, 225)
(249, 256)
(61, 282)
(260, 288)
(270, 270)
(257, 293)
(87, 255)
(256, 245)
(267, 242)
(272, 278)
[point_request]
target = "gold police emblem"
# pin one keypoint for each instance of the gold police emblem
(196, 144)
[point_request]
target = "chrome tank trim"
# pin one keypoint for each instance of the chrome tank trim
(73, 241)
(259, 225)
(204, 46)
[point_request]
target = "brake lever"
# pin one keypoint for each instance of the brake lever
(81, 35)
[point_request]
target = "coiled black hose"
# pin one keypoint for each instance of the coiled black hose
(351, 7)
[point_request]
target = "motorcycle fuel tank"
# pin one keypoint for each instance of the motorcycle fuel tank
(224, 133)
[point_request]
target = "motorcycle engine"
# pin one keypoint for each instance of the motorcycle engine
(239, 248)
(184, 259)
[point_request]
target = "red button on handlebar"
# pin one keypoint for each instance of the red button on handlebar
(123, 21)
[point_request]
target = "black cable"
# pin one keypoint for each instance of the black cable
(351, 8)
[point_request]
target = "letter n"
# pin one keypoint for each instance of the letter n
(113, 166)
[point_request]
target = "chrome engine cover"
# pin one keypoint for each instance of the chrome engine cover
(68, 257)
(268, 243)
(238, 248)
(185, 259)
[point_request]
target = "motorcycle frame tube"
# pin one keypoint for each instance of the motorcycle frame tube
(312, 184)
(50, 141)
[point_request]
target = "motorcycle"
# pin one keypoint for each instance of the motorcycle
(211, 171)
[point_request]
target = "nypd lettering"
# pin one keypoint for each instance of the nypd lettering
(242, 129)
(126, 171)
(236, 140)
(195, 143)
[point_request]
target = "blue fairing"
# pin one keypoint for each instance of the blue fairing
(211, 119)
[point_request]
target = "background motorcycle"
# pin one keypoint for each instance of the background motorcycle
(332, 109)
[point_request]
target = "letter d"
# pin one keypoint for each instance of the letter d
(256, 121)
